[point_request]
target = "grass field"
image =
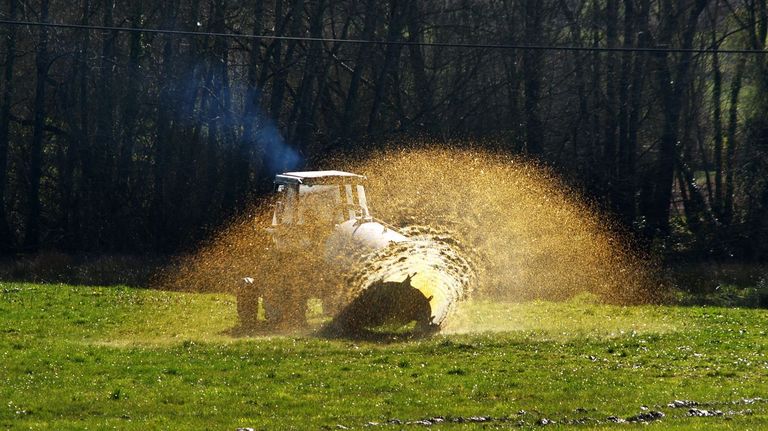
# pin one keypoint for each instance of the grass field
(75, 357)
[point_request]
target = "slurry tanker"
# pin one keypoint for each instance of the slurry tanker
(326, 245)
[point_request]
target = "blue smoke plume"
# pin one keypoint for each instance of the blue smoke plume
(278, 155)
(226, 107)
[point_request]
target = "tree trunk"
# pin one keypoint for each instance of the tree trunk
(32, 225)
(281, 77)
(623, 199)
(252, 106)
(6, 237)
(730, 150)
(220, 113)
(696, 216)
(593, 150)
(639, 71)
(131, 103)
(102, 199)
(163, 135)
(422, 82)
(576, 131)
(351, 103)
(672, 87)
(301, 115)
(391, 56)
(532, 69)
(125, 176)
(717, 121)
(609, 165)
(755, 168)
(631, 94)
(79, 148)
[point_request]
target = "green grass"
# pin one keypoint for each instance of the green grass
(75, 357)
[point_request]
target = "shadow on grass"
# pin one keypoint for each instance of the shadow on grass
(382, 335)
(95, 270)
(375, 335)
(384, 312)
(719, 285)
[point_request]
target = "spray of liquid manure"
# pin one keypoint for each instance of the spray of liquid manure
(478, 224)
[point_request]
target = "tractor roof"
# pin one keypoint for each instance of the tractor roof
(316, 177)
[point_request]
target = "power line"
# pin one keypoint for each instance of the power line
(384, 42)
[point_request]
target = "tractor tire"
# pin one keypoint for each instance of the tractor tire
(285, 307)
(248, 305)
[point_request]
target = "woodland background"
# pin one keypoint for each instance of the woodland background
(140, 142)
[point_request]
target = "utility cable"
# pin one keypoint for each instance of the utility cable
(651, 50)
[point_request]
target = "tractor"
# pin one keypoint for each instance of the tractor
(322, 227)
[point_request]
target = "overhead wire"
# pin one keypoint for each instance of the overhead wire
(493, 46)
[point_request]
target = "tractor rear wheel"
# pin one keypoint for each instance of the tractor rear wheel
(248, 305)
(285, 302)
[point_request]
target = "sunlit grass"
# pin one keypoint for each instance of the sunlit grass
(76, 357)
(160, 318)
(576, 319)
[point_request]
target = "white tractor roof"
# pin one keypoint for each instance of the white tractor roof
(315, 177)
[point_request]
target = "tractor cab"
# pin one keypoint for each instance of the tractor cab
(311, 204)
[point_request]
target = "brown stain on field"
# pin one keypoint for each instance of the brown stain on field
(525, 233)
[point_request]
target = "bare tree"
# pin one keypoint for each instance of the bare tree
(6, 238)
(42, 62)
